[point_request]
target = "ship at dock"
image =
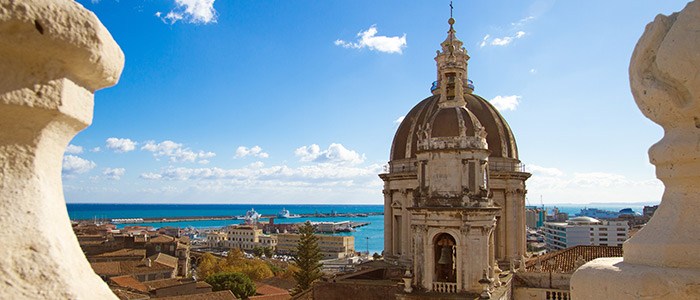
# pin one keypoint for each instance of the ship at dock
(250, 217)
(285, 214)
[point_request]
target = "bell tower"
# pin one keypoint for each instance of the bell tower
(453, 216)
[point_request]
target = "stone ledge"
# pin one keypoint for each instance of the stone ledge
(612, 278)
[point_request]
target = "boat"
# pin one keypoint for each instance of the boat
(284, 214)
(251, 216)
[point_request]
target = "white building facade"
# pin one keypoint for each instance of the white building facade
(585, 231)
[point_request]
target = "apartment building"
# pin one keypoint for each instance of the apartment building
(584, 231)
(331, 246)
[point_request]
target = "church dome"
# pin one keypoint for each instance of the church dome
(445, 122)
(453, 122)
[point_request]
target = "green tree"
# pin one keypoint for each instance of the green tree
(208, 265)
(239, 284)
(258, 251)
(268, 251)
(307, 258)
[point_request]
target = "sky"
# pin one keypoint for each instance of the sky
(224, 101)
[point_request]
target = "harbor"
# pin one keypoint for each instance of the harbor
(237, 217)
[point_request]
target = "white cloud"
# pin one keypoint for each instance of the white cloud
(503, 103)
(485, 40)
(190, 11)
(585, 187)
(399, 120)
(533, 71)
(96, 149)
(538, 170)
(113, 173)
(121, 145)
(73, 149)
(502, 41)
(522, 22)
(506, 40)
(151, 176)
(369, 39)
(254, 151)
(73, 165)
(336, 153)
(176, 152)
(256, 172)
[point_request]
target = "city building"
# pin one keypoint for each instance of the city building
(244, 237)
(648, 211)
(556, 216)
(331, 246)
(216, 239)
(585, 231)
(268, 240)
(151, 268)
(535, 217)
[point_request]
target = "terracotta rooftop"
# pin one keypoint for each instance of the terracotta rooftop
(116, 268)
(128, 281)
(162, 239)
(278, 282)
(165, 259)
(163, 283)
(125, 294)
(220, 295)
(265, 291)
(124, 252)
(564, 261)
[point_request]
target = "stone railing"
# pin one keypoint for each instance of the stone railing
(505, 166)
(400, 167)
(445, 287)
(557, 295)
(54, 54)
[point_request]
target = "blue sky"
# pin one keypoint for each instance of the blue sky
(298, 101)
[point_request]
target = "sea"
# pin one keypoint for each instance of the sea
(367, 238)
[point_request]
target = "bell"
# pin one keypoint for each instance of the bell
(445, 256)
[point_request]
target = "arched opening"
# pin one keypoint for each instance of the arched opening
(445, 258)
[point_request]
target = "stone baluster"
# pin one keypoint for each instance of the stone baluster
(53, 55)
(663, 259)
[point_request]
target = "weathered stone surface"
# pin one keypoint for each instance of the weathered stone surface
(662, 260)
(612, 278)
(53, 56)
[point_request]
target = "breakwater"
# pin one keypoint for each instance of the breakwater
(224, 218)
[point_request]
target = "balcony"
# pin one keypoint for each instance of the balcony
(506, 166)
(445, 287)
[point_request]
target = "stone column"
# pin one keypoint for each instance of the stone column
(388, 220)
(53, 56)
(663, 259)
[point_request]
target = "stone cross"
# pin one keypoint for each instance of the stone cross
(54, 54)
